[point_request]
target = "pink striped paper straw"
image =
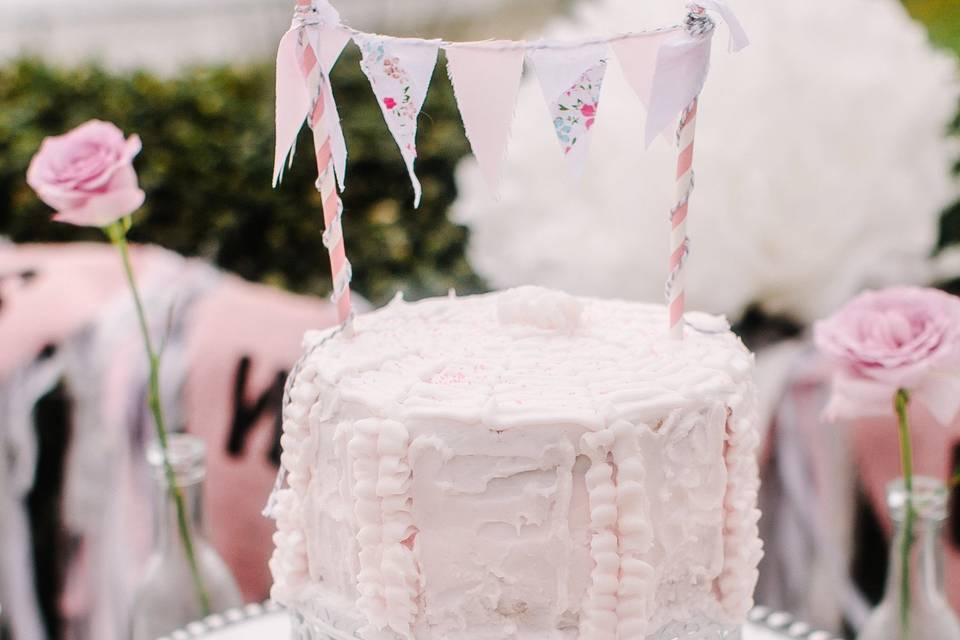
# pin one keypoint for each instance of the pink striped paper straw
(340, 269)
(679, 242)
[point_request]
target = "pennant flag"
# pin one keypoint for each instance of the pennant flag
(293, 99)
(295, 94)
(399, 72)
(638, 60)
(571, 80)
(680, 74)
(486, 83)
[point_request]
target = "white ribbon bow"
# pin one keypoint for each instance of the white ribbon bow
(682, 65)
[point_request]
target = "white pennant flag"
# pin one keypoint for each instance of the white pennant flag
(571, 80)
(681, 71)
(399, 73)
(486, 82)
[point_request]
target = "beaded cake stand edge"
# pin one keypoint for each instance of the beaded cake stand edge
(777, 621)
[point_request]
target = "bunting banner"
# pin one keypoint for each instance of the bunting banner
(571, 80)
(666, 67)
(486, 83)
(399, 72)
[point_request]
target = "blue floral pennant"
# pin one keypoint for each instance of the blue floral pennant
(399, 72)
(571, 81)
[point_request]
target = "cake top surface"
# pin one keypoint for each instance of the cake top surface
(529, 356)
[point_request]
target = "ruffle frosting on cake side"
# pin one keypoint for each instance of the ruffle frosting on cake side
(638, 582)
(289, 563)
(743, 547)
(600, 606)
(389, 579)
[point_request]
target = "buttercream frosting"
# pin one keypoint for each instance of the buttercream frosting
(520, 465)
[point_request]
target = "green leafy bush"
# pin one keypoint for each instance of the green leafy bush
(207, 163)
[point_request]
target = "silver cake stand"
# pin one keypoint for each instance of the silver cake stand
(268, 621)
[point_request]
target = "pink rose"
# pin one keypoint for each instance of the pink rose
(589, 110)
(87, 174)
(898, 338)
(389, 103)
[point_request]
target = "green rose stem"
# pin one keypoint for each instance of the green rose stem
(117, 232)
(901, 401)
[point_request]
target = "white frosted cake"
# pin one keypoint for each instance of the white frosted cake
(519, 465)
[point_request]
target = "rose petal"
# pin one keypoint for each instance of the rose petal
(852, 398)
(60, 199)
(940, 394)
(101, 210)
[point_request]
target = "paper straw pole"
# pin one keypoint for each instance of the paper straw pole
(340, 269)
(679, 242)
(332, 214)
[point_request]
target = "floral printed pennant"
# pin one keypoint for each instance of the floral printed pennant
(571, 81)
(399, 72)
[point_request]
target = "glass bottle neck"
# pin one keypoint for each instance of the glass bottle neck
(923, 560)
(918, 519)
(187, 463)
(168, 536)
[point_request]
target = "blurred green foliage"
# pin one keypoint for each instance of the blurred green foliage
(942, 19)
(206, 166)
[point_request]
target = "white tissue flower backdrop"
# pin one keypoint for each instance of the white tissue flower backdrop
(821, 156)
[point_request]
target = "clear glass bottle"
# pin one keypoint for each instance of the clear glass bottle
(928, 614)
(167, 597)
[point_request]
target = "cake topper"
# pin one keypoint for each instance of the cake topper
(666, 67)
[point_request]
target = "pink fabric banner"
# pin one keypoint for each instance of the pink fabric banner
(228, 347)
(399, 73)
(232, 397)
(571, 80)
(486, 83)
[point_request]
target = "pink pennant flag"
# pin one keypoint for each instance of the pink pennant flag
(293, 99)
(486, 82)
(680, 74)
(571, 80)
(295, 96)
(399, 72)
(637, 56)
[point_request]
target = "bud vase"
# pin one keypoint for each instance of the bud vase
(927, 615)
(167, 597)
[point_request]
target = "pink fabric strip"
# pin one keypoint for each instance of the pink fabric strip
(681, 215)
(309, 60)
(332, 205)
(676, 310)
(677, 257)
(684, 161)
